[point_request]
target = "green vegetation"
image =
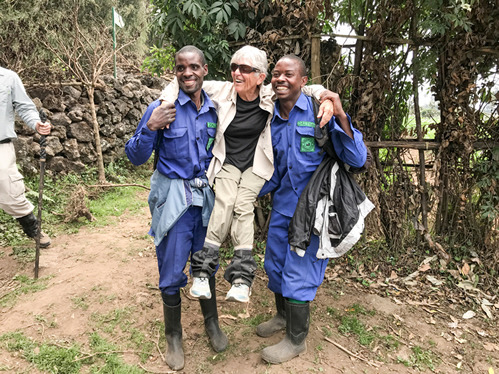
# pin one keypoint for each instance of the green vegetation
(53, 358)
(104, 204)
(108, 321)
(43, 355)
(421, 359)
(25, 286)
(350, 324)
(36, 19)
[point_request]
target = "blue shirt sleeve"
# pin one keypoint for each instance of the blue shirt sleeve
(140, 146)
(351, 151)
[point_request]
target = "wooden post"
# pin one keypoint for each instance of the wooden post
(417, 115)
(316, 59)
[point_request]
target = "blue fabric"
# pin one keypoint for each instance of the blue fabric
(169, 199)
(296, 154)
(185, 237)
(292, 276)
(186, 148)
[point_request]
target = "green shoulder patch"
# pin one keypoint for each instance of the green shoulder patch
(211, 125)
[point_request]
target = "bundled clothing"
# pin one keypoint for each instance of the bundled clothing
(333, 207)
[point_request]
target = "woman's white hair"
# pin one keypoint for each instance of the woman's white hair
(257, 57)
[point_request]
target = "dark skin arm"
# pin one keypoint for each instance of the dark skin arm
(337, 111)
(162, 116)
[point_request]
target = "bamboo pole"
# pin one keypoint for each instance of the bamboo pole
(426, 145)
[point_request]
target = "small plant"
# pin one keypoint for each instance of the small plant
(351, 325)
(357, 309)
(80, 302)
(421, 359)
(326, 331)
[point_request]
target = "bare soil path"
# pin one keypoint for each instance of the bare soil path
(103, 280)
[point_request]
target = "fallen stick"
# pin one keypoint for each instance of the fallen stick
(157, 346)
(106, 353)
(352, 354)
(119, 185)
(157, 372)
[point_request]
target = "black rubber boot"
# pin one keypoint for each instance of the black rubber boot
(174, 355)
(217, 337)
(277, 323)
(29, 224)
(294, 343)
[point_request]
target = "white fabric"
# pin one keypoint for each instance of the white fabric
(321, 224)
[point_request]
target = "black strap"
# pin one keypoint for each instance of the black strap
(156, 149)
(5, 141)
(322, 134)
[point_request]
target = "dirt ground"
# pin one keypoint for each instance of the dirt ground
(100, 271)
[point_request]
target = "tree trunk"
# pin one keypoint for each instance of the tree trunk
(100, 161)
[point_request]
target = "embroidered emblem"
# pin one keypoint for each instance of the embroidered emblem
(211, 125)
(307, 144)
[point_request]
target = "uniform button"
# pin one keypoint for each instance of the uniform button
(197, 138)
(289, 124)
(296, 188)
(290, 167)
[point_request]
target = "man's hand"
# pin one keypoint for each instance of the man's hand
(43, 128)
(337, 110)
(162, 116)
(326, 112)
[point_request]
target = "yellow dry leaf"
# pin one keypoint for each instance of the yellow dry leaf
(491, 371)
(466, 269)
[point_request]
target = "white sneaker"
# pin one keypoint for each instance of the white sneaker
(238, 292)
(200, 288)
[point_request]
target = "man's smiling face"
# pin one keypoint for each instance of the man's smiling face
(190, 72)
(287, 80)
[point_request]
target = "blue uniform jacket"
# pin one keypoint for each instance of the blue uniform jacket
(296, 153)
(184, 155)
(185, 149)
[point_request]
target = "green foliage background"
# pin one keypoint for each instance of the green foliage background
(23, 23)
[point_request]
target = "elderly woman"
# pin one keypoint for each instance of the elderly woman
(242, 162)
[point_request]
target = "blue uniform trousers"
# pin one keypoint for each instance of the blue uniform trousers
(292, 276)
(185, 237)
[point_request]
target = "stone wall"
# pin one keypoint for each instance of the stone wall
(71, 144)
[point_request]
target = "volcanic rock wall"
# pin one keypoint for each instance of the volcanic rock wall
(71, 144)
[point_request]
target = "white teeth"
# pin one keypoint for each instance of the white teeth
(281, 88)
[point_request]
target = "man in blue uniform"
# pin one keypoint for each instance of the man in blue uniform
(180, 199)
(295, 279)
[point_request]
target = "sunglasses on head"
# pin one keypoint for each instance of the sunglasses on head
(245, 69)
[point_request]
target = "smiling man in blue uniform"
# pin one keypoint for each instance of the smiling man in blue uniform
(294, 278)
(181, 199)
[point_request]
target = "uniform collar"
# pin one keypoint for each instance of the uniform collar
(301, 103)
(183, 98)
